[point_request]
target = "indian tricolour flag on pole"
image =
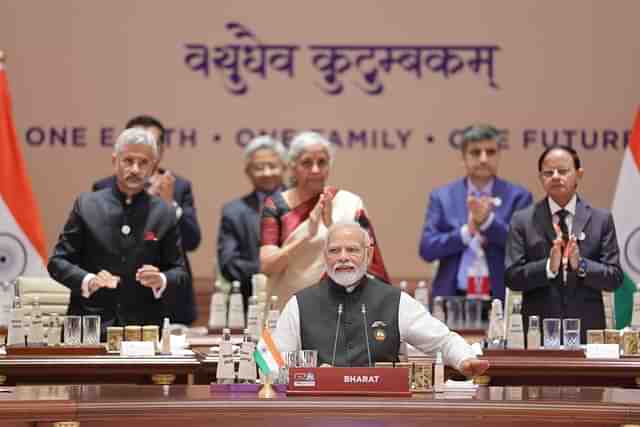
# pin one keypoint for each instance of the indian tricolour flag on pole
(267, 355)
(22, 244)
(626, 215)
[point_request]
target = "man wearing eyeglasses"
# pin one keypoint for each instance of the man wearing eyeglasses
(467, 221)
(239, 232)
(562, 252)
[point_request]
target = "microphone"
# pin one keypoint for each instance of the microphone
(366, 334)
(335, 340)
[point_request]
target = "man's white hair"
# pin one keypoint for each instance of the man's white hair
(339, 225)
(137, 136)
(303, 140)
(265, 142)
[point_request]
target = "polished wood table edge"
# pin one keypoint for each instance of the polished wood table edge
(464, 408)
(24, 361)
(554, 366)
(44, 410)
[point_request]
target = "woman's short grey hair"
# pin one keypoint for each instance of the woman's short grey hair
(265, 142)
(303, 140)
(137, 136)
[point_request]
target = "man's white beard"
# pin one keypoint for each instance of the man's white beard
(347, 278)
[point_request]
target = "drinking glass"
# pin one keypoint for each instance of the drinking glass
(473, 313)
(533, 333)
(571, 333)
(308, 359)
(72, 330)
(290, 359)
(454, 312)
(90, 329)
(551, 331)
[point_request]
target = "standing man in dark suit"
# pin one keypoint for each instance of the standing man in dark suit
(561, 252)
(467, 220)
(175, 191)
(239, 233)
(119, 252)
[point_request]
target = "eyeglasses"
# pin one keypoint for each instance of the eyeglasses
(309, 163)
(551, 172)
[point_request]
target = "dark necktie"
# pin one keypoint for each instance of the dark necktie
(562, 222)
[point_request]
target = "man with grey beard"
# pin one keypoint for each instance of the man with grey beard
(389, 316)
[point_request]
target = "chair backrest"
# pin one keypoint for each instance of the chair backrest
(53, 296)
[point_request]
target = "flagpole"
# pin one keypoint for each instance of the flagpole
(3, 61)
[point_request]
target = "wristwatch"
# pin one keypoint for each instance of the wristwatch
(582, 267)
(178, 209)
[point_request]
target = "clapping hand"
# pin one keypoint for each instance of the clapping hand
(163, 185)
(321, 211)
(573, 252)
(555, 256)
(479, 208)
(326, 199)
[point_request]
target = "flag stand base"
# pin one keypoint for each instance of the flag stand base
(267, 391)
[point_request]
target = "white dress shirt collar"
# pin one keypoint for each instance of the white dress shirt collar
(487, 189)
(571, 206)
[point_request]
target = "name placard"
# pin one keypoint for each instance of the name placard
(349, 381)
(603, 351)
(137, 348)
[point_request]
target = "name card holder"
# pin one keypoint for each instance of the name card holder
(603, 351)
(137, 348)
(349, 381)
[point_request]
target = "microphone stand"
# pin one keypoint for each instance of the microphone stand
(366, 335)
(335, 340)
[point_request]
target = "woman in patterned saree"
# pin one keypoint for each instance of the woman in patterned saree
(295, 222)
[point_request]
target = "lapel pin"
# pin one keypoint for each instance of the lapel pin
(379, 330)
(125, 230)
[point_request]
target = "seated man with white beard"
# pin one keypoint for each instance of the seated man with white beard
(308, 321)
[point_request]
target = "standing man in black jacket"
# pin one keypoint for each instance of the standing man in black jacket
(177, 192)
(119, 252)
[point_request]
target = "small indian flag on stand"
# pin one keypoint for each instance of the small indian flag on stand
(267, 356)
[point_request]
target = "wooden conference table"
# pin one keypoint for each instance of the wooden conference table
(130, 405)
(23, 370)
(505, 370)
(557, 369)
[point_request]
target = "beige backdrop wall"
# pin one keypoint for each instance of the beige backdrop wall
(558, 68)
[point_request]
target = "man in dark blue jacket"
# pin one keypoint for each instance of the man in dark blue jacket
(239, 233)
(467, 220)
